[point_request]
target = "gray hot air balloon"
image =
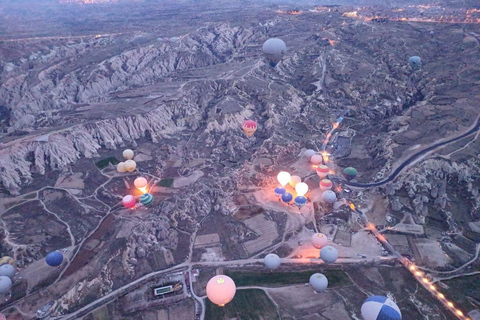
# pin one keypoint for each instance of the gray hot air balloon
(5, 284)
(329, 254)
(329, 196)
(7, 270)
(274, 50)
(272, 261)
(318, 282)
(415, 62)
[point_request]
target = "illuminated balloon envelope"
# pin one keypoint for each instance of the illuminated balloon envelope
(300, 201)
(283, 177)
(121, 167)
(130, 165)
(287, 197)
(221, 290)
(128, 154)
(141, 184)
(322, 171)
(129, 201)
(146, 199)
(54, 258)
(294, 180)
(249, 127)
(319, 240)
(279, 192)
(325, 184)
(316, 159)
(301, 188)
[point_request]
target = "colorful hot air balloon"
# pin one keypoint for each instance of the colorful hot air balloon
(274, 50)
(221, 290)
(249, 127)
(7, 260)
(128, 154)
(325, 184)
(146, 199)
(349, 173)
(319, 240)
(322, 171)
(318, 282)
(272, 261)
(328, 254)
(329, 196)
(129, 201)
(287, 197)
(54, 258)
(121, 167)
(294, 180)
(279, 192)
(300, 201)
(380, 308)
(130, 165)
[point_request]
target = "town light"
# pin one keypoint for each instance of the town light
(283, 177)
(450, 304)
(441, 295)
(432, 287)
(418, 273)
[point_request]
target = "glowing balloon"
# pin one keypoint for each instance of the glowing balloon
(141, 184)
(129, 201)
(301, 188)
(316, 159)
(221, 290)
(287, 197)
(279, 192)
(274, 50)
(319, 240)
(322, 171)
(294, 180)
(283, 177)
(128, 154)
(325, 184)
(130, 165)
(121, 167)
(249, 127)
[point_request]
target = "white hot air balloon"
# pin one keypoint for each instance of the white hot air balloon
(294, 180)
(274, 50)
(141, 184)
(316, 159)
(272, 261)
(328, 254)
(309, 153)
(319, 240)
(121, 167)
(283, 177)
(128, 154)
(8, 270)
(329, 196)
(221, 290)
(5, 284)
(130, 165)
(301, 188)
(318, 282)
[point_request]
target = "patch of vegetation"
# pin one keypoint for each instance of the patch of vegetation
(104, 162)
(251, 304)
(167, 183)
(101, 314)
(463, 290)
(335, 277)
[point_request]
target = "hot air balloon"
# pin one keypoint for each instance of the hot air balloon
(279, 192)
(316, 159)
(287, 197)
(415, 62)
(146, 199)
(121, 167)
(322, 171)
(328, 254)
(130, 165)
(300, 201)
(319, 240)
(129, 201)
(221, 290)
(380, 308)
(301, 188)
(141, 184)
(329, 196)
(294, 180)
(5, 284)
(274, 50)
(325, 184)
(128, 154)
(318, 282)
(8, 270)
(7, 260)
(349, 173)
(54, 258)
(249, 127)
(309, 153)
(283, 177)
(272, 261)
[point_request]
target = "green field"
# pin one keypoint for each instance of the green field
(167, 183)
(335, 277)
(104, 162)
(250, 304)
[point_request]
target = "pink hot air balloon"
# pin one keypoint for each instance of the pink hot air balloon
(129, 201)
(325, 184)
(141, 184)
(249, 127)
(322, 171)
(221, 290)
